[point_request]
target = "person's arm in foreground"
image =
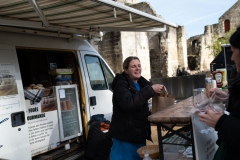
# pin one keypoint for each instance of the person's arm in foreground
(228, 127)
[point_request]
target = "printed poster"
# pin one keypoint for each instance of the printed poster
(9, 97)
(42, 127)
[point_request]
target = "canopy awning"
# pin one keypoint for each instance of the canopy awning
(75, 17)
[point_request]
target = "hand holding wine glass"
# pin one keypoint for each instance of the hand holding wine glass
(200, 102)
(211, 117)
(217, 100)
(200, 99)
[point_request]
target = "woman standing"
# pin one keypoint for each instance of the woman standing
(228, 126)
(129, 125)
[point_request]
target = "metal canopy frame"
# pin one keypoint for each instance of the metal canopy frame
(39, 12)
(134, 11)
(75, 18)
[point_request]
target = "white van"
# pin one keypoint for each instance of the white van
(28, 129)
(50, 87)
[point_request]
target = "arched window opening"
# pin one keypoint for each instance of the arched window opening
(226, 25)
(194, 45)
(192, 62)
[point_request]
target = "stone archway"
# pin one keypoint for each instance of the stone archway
(192, 62)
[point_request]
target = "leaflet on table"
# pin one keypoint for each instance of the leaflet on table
(9, 97)
(205, 144)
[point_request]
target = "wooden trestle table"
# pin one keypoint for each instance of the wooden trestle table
(178, 114)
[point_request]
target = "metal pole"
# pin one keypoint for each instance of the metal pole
(160, 139)
(225, 61)
(224, 53)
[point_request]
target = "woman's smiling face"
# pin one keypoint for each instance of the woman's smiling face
(236, 57)
(134, 70)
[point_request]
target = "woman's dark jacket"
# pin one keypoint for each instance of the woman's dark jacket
(130, 109)
(228, 127)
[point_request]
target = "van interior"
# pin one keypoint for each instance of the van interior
(34, 65)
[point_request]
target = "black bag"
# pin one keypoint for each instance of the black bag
(98, 144)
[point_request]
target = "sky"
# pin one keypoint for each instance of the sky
(193, 14)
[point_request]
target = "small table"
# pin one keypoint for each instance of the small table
(179, 113)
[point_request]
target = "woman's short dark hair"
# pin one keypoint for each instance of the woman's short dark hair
(235, 39)
(128, 60)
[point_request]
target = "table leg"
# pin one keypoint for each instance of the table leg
(177, 132)
(160, 144)
(193, 145)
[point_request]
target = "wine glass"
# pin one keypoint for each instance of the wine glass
(200, 102)
(200, 99)
(217, 101)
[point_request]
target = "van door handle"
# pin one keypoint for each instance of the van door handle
(93, 101)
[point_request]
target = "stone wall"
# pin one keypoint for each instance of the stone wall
(159, 52)
(206, 57)
(110, 49)
(169, 44)
(199, 55)
(166, 49)
(233, 15)
(155, 62)
(174, 40)
(136, 44)
(145, 7)
(157, 56)
(182, 46)
(194, 52)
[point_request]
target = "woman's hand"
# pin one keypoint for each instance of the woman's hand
(218, 92)
(211, 117)
(157, 88)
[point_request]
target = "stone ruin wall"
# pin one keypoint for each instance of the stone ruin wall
(182, 47)
(215, 29)
(169, 41)
(136, 44)
(194, 52)
(166, 49)
(200, 57)
(206, 56)
(110, 48)
(160, 53)
(233, 15)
